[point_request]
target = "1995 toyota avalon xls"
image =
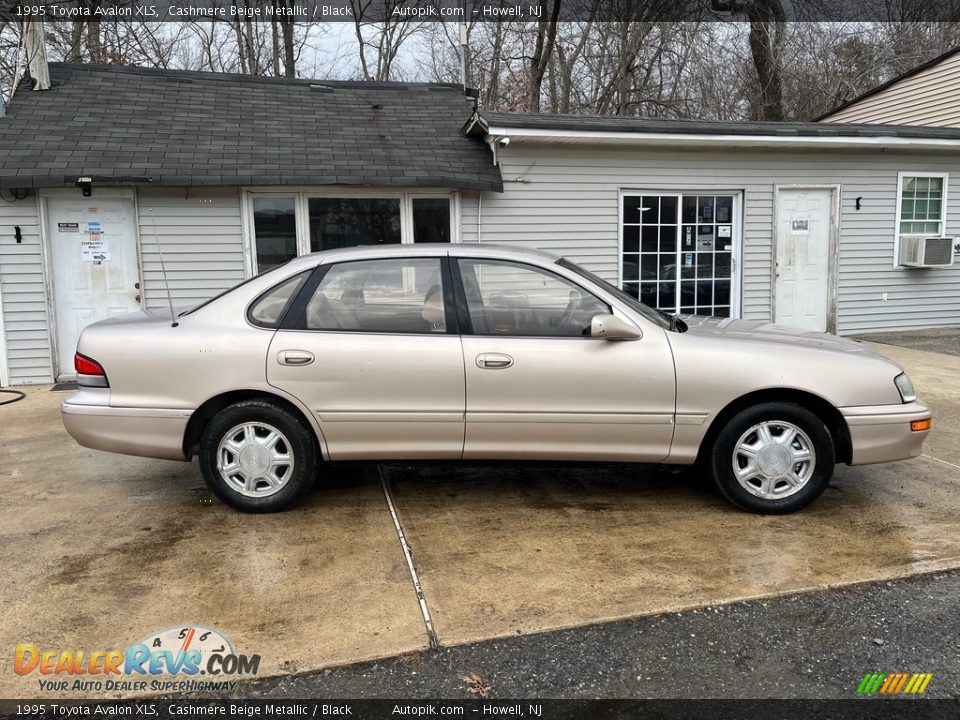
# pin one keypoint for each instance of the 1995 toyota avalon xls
(479, 352)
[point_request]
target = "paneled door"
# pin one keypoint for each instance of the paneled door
(803, 258)
(93, 244)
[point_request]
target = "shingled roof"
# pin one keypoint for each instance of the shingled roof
(123, 125)
(480, 122)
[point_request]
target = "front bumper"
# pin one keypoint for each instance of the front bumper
(881, 433)
(148, 432)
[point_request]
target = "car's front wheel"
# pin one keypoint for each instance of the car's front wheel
(257, 457)
(773, 458)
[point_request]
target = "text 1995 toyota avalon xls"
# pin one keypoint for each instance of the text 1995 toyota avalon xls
(479, 352)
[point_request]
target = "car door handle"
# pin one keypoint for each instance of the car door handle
(294, 357)
(493, 361)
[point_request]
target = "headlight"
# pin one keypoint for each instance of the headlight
(905, 387)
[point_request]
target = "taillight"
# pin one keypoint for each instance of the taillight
(90, 373)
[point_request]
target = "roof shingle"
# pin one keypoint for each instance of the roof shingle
(180, 127)
(573, 123)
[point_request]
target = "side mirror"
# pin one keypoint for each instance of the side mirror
(610, 327)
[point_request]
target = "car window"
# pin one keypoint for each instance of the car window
(506, 298)
(395, 295)
(226, 292)
(654, 316)
(267, 310)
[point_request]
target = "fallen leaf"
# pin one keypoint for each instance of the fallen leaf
(476, 685)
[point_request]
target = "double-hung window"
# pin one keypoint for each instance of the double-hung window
(922, 204)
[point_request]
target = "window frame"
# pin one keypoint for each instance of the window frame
(249, 227)
(736, 221)
(463, 307)
(295, 319)
(945, 176)
(304, 208)
(302, 195)
(453, 198)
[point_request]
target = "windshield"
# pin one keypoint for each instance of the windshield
(230, 290)
(655, 316)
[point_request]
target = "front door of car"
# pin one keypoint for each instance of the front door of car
(369, 347)
(539, 387)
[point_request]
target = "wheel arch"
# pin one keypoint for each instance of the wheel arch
(819, 406)
(203, 414)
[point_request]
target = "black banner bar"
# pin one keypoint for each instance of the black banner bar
(168, 709)
(484, 10)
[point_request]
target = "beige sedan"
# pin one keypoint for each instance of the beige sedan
(479, 352)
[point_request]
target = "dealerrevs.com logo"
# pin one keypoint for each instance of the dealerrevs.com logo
(897, 683)
(178, 659)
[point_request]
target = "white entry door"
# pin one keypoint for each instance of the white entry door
(93, 245)
(803, 263)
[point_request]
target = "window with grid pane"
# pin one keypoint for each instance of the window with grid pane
(921, 205)
(678, 251)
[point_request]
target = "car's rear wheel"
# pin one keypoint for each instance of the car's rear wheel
(257, 457)
(773, 458)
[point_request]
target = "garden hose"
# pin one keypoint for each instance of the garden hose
(18, 396)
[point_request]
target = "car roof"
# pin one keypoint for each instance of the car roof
(393, 250)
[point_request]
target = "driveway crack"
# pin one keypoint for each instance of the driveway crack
(944, 462)
(408, 556)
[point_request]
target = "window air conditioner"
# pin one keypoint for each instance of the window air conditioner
(922, 251)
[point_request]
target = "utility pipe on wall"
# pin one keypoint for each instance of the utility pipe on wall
(36, 50)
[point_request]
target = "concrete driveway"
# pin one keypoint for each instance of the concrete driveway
(102, 550)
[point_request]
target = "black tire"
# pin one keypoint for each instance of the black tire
(722, 458)
(295, 441)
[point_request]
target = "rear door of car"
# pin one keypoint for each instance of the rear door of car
(371, 347)
(539, 387)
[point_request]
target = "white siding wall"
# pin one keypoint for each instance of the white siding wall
(25, 319)
(564, 198)
(469, 201)
(931, 97)
(201, 240)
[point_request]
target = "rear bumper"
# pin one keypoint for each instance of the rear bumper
(148, 432)
(881, 433)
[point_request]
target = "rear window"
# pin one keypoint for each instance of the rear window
(230, 290)
(268, 309)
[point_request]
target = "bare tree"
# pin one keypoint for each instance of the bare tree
(757, 67)
(10, 36)
(381, 31)
(566, 58)
(767, 35)
(287, 30)
(543, 49)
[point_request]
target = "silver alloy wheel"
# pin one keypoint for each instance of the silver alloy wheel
(774, 459)
(255, 459)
